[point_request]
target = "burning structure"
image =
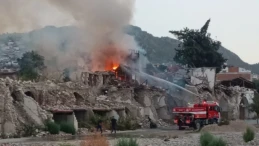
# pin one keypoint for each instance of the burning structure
(108, 60)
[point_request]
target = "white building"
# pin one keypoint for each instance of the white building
(255, 76)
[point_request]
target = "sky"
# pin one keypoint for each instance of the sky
(233, 22)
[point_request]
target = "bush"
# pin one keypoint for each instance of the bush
(84, 125)
(127, 142)
(206, 138)
(217, 142)
(248, 135)
(127, 124)
(95, 119)
(29, 130)
(132, 142)
(52, 127)
(68, 128)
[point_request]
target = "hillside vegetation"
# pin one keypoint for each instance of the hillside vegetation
(165, 46)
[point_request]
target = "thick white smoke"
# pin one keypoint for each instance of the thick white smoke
(103, 21)
(26, 15)
(101, 42)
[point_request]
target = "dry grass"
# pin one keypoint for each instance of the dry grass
(95, 140)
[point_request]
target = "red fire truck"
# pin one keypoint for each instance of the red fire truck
(198, 115)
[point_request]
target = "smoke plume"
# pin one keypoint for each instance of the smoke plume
(26, 15)
(103, 21)
(100, 43)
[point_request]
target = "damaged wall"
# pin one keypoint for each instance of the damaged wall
(230, 99)
(204, 76)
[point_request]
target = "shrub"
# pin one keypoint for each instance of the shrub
(132, 142)
(84, 125)
(127, 124)
(52, 127)
(127, 142)
(29, 130)
(206, 138)
(95, 119)
(96, 140)
(122, 142)
(217, 142)
(248, 135)
(68, 128)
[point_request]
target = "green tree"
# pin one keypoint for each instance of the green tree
(254, 107)
(197, 48)
(256, 82)
(30, 64)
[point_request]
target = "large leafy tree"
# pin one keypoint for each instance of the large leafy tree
(197, 48)
(256, 82)
(31, 64)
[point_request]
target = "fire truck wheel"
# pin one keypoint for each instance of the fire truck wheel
(197, 125)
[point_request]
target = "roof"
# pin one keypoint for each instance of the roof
(9, 73)
(240, 81)
(230, 76)
(62, 111)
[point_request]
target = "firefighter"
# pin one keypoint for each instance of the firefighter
(99, 126)
(113, 124)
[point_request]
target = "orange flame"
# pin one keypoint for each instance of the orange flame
(115, 67)
(108, 58)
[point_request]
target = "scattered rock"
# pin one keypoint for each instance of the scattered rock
(234, 126)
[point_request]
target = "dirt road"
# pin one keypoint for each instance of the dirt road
(144, 133)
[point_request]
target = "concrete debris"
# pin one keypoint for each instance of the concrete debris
(100, 92)
(34, 102)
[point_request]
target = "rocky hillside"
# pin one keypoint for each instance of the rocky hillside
(155, 46)
(164, 46)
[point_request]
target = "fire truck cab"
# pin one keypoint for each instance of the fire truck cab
(204, 113)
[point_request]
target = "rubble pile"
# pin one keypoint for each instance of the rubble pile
(34, 102)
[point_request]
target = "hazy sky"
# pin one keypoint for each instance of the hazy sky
(233, 22)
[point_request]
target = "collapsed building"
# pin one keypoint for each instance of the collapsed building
(118, 93)
(97, 93)
(124, 91)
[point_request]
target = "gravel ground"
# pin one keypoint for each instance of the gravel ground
(233, 139)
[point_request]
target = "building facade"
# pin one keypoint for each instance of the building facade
(230, 73)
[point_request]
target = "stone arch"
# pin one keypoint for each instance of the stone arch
(30, 94)
(243, 108)
(79, 98)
